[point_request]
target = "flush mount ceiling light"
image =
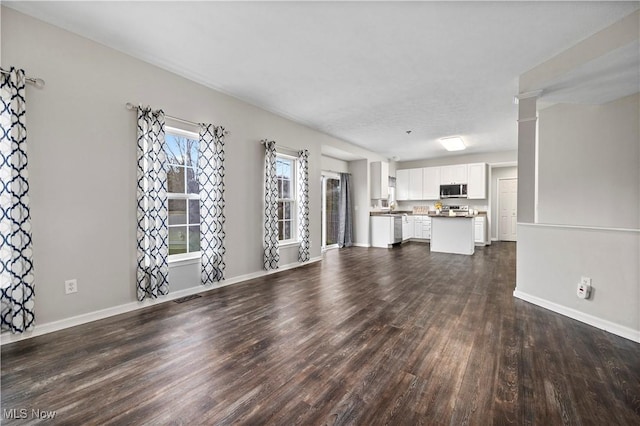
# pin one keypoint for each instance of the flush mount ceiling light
(453, 144)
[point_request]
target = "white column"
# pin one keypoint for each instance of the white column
(527, 167)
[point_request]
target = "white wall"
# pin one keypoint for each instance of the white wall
(82, 155)
(330, 164)
(589, 182)
(551, 261)
(359, 170)
(588, 164)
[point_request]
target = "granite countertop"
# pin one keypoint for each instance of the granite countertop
(389, 213)
(464, 216)
(410, 213)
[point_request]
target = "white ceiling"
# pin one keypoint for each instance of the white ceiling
(363, 72)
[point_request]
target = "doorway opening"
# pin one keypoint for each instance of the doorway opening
(330, 210)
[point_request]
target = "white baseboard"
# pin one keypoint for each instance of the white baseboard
(361, 245)
(611, 327)
(40, 329)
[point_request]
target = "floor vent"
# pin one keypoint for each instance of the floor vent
(187, 298)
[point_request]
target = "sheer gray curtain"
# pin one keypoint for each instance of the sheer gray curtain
(345, 212)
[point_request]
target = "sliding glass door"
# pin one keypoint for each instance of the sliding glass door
(330, 215)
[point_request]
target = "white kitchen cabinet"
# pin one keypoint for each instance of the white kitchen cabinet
(477, 181)
(415, 184)
(431, 183)
(422, 227)
(426, 227)
(382, 231)
(379, 180)
(480, 230)
(402, 185)
(407, 227)
(453, 174)
(417, 227)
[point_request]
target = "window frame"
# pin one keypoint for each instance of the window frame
(294, 201)
(194, 255)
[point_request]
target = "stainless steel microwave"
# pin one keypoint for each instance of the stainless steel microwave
(453, 191)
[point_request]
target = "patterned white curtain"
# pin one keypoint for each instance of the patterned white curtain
(16, 255)
(271, 245)
(152, 234)
(303, 205)
(211, 178)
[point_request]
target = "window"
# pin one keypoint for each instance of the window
(287, 207)
(183, 193)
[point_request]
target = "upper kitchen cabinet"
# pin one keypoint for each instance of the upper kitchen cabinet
(431, 183)
(453, 174)
(379, 180)
(402, 185)
(415, 184)
(410, 184)
(477, 181)
(424, 183)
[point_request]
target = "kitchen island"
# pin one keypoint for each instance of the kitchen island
(453, 234)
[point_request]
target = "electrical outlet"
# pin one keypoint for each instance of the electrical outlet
(71, 286)
(584, 288)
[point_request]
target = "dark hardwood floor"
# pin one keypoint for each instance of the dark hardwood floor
(367, 336)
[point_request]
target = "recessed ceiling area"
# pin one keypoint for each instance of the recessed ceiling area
(604, 79)
(362, 72)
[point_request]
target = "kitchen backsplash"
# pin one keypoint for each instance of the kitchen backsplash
(409, 205)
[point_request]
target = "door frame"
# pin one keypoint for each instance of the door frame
(499, 181)
(323, 209)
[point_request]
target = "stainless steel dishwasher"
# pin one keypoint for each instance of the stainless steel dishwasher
(397, 229)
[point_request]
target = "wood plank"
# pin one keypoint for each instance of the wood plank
(367, 336)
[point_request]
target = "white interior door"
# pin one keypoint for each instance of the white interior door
(508, 209)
